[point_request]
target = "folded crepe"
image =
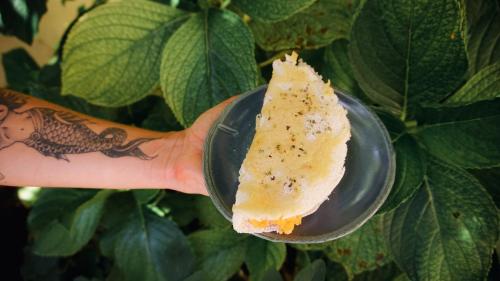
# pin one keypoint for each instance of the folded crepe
(297, 155)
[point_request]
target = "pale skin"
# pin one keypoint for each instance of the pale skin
(42, 144)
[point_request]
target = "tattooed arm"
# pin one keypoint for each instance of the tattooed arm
(43, 144)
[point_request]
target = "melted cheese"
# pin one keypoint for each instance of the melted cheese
(298, 135)
(283, 226)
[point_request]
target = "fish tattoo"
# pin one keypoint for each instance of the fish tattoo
(56, 133)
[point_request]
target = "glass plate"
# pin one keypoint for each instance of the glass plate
(368, 178)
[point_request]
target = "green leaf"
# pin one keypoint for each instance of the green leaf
(410, 171)
(262, 256)
(209, 59)
(208, 215)
(112, 55)
(387, 272)
(337, 68)
(407, 52)
(271, 11)
(181, 207)
(161, 118)
(447, 231)
(484, 85)
(63, 221)
(394, 126)
(317, 26)
(362, 250)
(483, 42)
(336, 272)
(24, 75)
(316, 271)
(20, 69)
(489, 179)
(219, 252)
(146, 247)
(40, 268)
(21, 18)
(143, 196)
(466, 136)
(271, 275)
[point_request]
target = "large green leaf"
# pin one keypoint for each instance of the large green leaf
(316, 271)
(145, 246)
(387, 272)
(407, 52)
(208, 215)
(314, 27)
(24, 75)
(262, 256)
(489, 179)
(362, 250)
(161, 118)
(337, 68)
(63, 221)
(466, 136)
(271, 11)
(483, 24)
(21, 17)
(447, 231)
(112, 55)
(209, 59)
(410, 171)
(484, 85)
(219, 252)
(181, 207)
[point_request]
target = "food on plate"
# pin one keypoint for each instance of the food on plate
(297, 154)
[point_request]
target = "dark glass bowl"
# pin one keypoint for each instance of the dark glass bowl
(368, 178)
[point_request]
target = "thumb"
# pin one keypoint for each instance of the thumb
(204, 122)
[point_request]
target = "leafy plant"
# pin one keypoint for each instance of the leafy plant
(429, 68)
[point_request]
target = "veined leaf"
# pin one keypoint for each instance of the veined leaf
(388, 272)
(220, 253)
(407, 52)
(314, 27)
(394, 126)
(145, 246)
(484, 85)
(410, 169)
(362, 250)
(263, 255)
(316, 271)
(208, 215)
(207, 60)
(112, 55)
(489, 179)
(337, 68)
(483, 42)
(63, 221)
(161, 118)
(21, 18)
(447, 231)
(466, 136)
(143, 196)
(271, 11)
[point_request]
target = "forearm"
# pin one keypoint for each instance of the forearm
(43, 144)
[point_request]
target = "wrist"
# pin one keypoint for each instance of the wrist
(165, 166)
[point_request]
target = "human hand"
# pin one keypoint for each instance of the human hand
(187, 170)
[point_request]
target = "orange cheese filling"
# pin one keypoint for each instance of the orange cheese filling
(285, 226)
